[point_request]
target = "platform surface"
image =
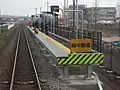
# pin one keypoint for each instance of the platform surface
(51, 44)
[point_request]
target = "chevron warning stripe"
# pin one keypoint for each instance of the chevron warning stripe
(78, 59)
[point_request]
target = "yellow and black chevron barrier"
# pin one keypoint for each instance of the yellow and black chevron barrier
(82, 58)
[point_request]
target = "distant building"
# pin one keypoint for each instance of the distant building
(118, 10)
(102, 13)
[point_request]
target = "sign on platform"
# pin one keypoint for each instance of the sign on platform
(81, 45)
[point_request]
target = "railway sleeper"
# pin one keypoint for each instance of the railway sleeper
(19, 82)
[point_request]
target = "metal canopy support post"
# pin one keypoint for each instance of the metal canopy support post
(65, 71)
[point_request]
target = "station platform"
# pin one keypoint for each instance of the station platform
(59, 50)
(55, 47)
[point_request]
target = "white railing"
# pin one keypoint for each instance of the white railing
(98, 81)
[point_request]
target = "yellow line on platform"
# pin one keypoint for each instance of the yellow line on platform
(57, 43)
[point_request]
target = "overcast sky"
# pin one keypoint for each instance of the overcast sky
(24, 7)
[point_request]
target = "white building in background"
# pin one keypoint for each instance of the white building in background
(103, 13)
(118, 10)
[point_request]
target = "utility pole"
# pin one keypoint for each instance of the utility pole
(96, 14)
(40, 9)
(47, 6)
(35, 11)
(77, 28)
(0, 14)
(64, 4)
(67, 3)
(92, 17)
(73, 31)
(65, 13)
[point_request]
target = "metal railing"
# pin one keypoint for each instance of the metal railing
(97, 80)
(66, 32)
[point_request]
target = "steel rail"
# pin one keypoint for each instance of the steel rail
(16, 55)
(97, 80)
(31, 56)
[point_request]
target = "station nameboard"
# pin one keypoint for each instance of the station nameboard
(81, 45)
(55, 8)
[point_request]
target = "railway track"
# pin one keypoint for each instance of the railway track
(24, 74)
